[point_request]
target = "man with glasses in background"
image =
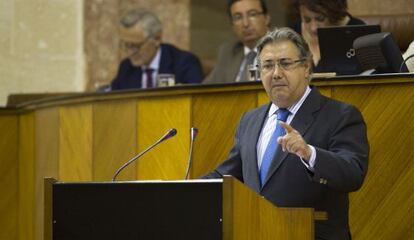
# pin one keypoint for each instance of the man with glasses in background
(250, 21)
(302, 149)
(146, 56)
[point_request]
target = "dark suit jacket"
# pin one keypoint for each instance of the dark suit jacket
(184, 65)
(338, 133)
(230, 57)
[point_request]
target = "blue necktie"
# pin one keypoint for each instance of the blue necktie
(282, 115)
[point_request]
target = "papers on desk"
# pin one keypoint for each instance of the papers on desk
(323, 75)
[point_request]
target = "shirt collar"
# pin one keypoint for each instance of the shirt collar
(155, 63)
(246, 50)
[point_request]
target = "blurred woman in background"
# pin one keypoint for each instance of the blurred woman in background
(315, 14)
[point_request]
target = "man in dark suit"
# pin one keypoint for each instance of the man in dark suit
(250, 21)
(302, 149)
(147, 57)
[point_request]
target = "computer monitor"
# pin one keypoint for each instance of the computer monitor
(379, 51)
(337, 52)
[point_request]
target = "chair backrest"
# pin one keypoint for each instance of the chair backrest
(400, 25)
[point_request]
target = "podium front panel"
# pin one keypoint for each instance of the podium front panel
(137, 210)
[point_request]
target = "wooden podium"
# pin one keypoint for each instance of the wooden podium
(194, 209)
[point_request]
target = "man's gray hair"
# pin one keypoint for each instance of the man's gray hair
(282, 34)
(148, 20)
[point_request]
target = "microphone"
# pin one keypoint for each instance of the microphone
(193, 135)
(169, 134)
(405, 61)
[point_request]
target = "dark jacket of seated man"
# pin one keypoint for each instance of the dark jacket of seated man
(184, 65)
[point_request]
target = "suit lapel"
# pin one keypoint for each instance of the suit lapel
(166, 63)
(301, 122)
(235, 62)
(134, 77)
(254, 133)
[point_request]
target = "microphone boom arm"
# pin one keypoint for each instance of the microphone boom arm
(193, 133)
(169, 134)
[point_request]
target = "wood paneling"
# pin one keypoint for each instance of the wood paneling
(75, 137)
(216, 116)
(90, 136)
(156, 116)
(249, 216)
(386, 198)
(114, 138)
(46, 158)
(262, 98)
(26, 178)
(386, 7)
(8, 176)
(326, 91)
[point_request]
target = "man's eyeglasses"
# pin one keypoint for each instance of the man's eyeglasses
(134, 46)
(284, 63)
(251, 15)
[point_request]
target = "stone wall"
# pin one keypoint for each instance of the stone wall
(72, 45)
(101, 32)
(41, 47)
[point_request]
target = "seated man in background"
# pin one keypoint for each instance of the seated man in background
(302, 149)
(250, 21)
(147, 57)
(316, 14)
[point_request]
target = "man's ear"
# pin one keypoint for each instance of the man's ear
(158, 37)
(308, 68)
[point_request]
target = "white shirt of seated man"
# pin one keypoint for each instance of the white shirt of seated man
(408, 53)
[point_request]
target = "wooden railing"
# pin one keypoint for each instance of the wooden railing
(86, 137)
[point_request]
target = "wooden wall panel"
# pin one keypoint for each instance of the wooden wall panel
(247, 215)
(214, 115)
(46, 158)
(155, 116)
(75, 151)
(26, 178)
(386, 200)
(114, 139)
(262, 98)
(326, 91)
(8, 176)
(386, 7)
(382, 209)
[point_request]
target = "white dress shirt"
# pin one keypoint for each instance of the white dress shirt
(154, 65)
(270, 125)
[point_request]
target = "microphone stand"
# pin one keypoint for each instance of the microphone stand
(169, 134)
(193, 133)
(405, 61)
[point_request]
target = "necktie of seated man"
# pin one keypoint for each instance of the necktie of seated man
(273, 146)
(249, 60)
(148, 72)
